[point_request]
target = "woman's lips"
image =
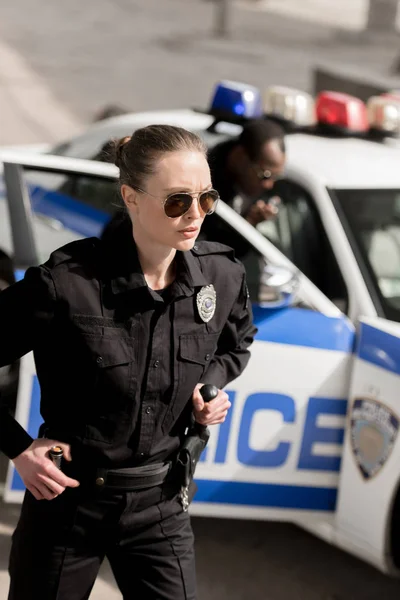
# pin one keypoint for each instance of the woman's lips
(189, 232)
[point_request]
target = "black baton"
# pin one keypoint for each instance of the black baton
(56, 454)
(194, 444)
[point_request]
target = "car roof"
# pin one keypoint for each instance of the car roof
(181, 117)
(338, 163)
(123, 125)
(345, 163)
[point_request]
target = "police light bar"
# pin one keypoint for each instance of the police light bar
(290, 105)
(236, 100)
(392, 94)
(384, 114)
(341, 112)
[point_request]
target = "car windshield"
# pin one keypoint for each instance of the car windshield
(372, 218)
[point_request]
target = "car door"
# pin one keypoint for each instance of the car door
(368, 509)
(278, 453)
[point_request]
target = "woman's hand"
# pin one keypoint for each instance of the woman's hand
(38, 472)
(213, 412)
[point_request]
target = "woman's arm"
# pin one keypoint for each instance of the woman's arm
(26, 308)
(232, 354)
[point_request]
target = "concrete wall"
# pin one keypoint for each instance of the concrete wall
(351, 82)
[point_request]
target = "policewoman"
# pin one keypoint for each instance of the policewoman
(124, 330)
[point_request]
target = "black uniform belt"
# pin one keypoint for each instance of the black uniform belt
(133, 478)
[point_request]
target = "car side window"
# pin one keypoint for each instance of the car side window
(299, 233)
(68, 206)
(92, 191)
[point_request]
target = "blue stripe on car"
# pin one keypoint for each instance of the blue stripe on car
(379, 348)
(266, 495)
(303, 327)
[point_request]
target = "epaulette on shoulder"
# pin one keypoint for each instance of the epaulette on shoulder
(76, 251)
(203, 248)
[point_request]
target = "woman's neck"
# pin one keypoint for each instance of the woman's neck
(157, 262)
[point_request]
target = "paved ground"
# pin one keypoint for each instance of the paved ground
(59, 63)
(348, 14)
(148, 55)
(237, 560)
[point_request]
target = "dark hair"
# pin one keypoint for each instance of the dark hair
(256, 133)
(106, 152)
(136, 155)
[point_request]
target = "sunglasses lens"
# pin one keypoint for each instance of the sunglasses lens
(177, 205)
(208, 201)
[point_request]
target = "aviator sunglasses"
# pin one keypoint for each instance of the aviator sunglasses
(179, 203)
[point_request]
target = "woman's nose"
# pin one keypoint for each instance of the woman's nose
(195, 211)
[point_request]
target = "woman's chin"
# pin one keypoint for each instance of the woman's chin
(185, 245)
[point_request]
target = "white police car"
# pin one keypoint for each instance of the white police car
(312, 435)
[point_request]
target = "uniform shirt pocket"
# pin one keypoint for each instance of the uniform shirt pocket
(194, 355)
(198, 349)
(113, 386)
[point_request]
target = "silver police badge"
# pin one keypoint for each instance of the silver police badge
(373, 432)
(206, 302)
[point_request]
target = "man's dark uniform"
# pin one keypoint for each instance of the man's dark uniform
(117, 364)
(214, 228)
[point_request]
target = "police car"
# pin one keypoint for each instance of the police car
(312, 435)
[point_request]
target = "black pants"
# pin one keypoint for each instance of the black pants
(59, 545)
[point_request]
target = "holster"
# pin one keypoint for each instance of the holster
(188, 457)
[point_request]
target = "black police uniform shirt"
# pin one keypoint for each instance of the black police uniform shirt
(116, 361)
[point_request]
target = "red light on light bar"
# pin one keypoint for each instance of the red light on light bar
(342, 111)
(392, 95)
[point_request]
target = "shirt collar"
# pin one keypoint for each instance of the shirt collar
(125, 271)
(189, 275)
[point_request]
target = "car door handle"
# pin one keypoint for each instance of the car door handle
(52, 223)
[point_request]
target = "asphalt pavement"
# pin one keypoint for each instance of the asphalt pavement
(60, 63)
(238, 560)
(164, 54)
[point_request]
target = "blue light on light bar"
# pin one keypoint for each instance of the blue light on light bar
(236, 99)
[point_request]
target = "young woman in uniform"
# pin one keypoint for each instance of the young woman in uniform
(125, 331)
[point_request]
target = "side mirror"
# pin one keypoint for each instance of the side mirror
(278, 286)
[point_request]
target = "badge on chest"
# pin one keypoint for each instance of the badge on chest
(206, 302)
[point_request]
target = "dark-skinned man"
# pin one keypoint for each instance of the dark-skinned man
(244, 171)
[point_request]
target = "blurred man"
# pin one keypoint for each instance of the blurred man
(244, 171)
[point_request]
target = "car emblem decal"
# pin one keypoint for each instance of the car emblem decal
(373, 432)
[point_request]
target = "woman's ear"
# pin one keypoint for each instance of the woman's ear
(129, 196)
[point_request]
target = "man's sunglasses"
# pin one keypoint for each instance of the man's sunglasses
(178, 204)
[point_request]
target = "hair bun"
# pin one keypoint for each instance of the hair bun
(119, 149)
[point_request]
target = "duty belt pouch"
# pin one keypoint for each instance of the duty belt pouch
(188, 457)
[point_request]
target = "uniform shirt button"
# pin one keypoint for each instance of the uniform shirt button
(99, 360)
(157, 364)
(100, 481)
(207, 356)
(195, 247)
(148, 410)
